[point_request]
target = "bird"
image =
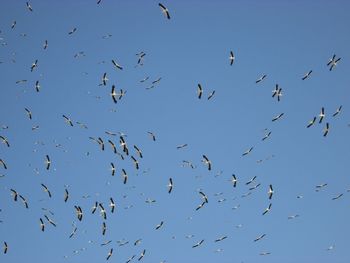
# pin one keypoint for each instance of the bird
(24, 201)
(251, 180)
(104, 79)
(170, 185)
(46, 190)
(13, 24)
(29, 113)
(138, 241)
(101, 143)
(326, 130)
(130, 259)
(5, 141)
(14, 194)
(204, 196)
(46, 44)
(104, 228)
(102, 211)
(333, 62)
(125, 176)
(248, 151)
(277, 117)
(234, 180)
(264, 253)
(159, 225)
(42, 225)
(34, 65)
(5, 247)
(142, 254)
(152, 135)
(112, 205)
(73, 232)
(270, 192)
(116, 65)
(321, 115)
(112, 169)
(307, 75)
(79, 212)
(337, 111)
(206, 161)
(199, 91)
(267, 209)
(211, 94)
(261, 78)
(113, 94)
(267, 135)
(47, 162)
(201, 205)
(181, 146)
(259, 237)
(337, 197)
(50, 221)
(109, 254)
(72, 31)
(66, 195)
(113, 146)
(29, 7)
(198, 244)
(254, 187)
(220, 239)
(164, 10)
(68, 120)
(139, 152)
(293, 216)
(93, 209)
(311, 122)
(232, 58)
(136, 162)
(37, 86)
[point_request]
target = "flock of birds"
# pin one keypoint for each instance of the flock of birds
(135, 155)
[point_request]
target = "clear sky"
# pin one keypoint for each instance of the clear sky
(282, 39)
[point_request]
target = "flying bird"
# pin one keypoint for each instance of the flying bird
(211, 94)
(29, 113)
(333, 62)
(199, 90)
(14, 194)
(152, 135)
(198, 244)
(270, 192)
(113, 94)
(220, 239)
(142, 254)
(337, 111)
(251, 180)
(159, 225)
(267, 209)
(337, 197)
(248, 151)
(307, 75)
(46, 44)
(66, 195)
(72, 31)
(259, 237)
(312, 122)
(42, 225)
(278, 117)
(321, 115)
(233, 180)
(110, 253)
(47, 162)
(68, 120)
(115, 64)
(37, 86)
(207, 162)
(136, 162)
(46, 190)
(260, 79)
(5, 141)
(232, 58)
(50, 221)
(29, 7)
(111, 205)
(104, 79)
(24, 201)
(164, 10)
(326, 130)
(34, 65)
(170, 185)
(104, 228)
(139, 152)
(102, 211)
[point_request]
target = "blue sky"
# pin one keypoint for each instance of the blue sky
(282, 39)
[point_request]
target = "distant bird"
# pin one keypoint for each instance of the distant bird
(125, 176)
(293, 216)
(267, 209)
(115, 64)
(13, 24)
(68, 120)
(259, 237)
(42, 225)
(254, 187)
(200, 206)
(101, 143)
(24, 201)
(46, 44)
(37, 86)
(142, 254)
(251, 180)
(136, 162)
(112, 168)
(333, 62)
(111, 205)
(66, 195)
(46, 190)
(198, 244)
(337, 197)
(265, 253)
(34, 65)
(29, 7)
(137, 242)
(29, 113)
(110, 253)
(5, 141)
(199, 90)
(270, 192)
(14, 194)
(311, 122)
(181, 146)
(337, 111)
(102, 211)
(170, 185)
(104, 228)
(104, 79)
(260, 79)
(320, 186)
(321, 115)
(278, 117)
(5, 247)
(211, 94)
(164, 10)
(307, 75)
(73, 232)
(152, 135)
(79, 212)
(72, 31)
(93, 209)
(248, 151)
(326, 130)
(113, 94)
(159, 225)
(234, 180)
(220, 239)
(206, 161)
(232, 58)
(50, 221)
(114, 148)
(204, 196)
(48, 162)
(267, 135)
